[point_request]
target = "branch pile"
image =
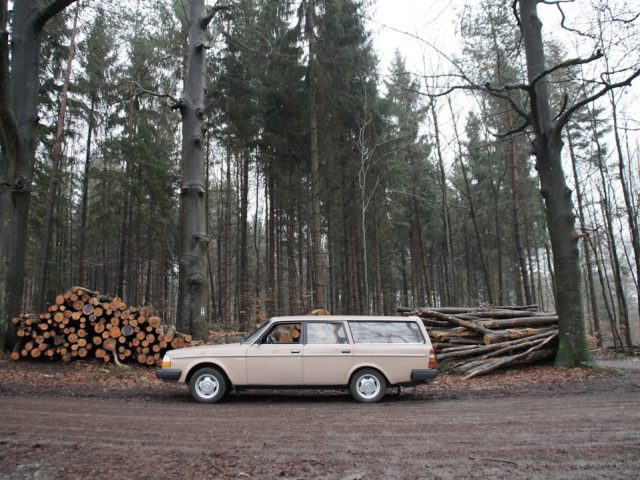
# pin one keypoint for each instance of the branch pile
(85, 324)
(477, 341)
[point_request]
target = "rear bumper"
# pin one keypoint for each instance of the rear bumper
(168, 374)
(423, 376)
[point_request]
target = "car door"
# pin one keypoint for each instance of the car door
(327, 353)
(276, 358)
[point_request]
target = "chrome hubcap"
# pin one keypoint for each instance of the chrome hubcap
(207, 386)
(368, 386)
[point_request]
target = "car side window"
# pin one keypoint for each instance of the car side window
(385, 332)
(326, 333)
(284, 333)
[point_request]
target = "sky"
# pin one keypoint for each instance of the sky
(412, 27)
(421, 29)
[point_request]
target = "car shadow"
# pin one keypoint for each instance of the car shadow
(275, 396)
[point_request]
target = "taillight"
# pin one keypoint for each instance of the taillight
(433, 363)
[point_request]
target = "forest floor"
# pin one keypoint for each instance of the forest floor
(83, 419)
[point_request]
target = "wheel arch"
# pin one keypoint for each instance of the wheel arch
(365, 366)
(194, 368)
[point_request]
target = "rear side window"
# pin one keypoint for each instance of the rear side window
(326, 333)
(386, 332)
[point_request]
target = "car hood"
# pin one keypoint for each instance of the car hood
(226, 350)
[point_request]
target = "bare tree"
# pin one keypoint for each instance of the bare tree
(369, 177)
(547, 125)
(547, 147)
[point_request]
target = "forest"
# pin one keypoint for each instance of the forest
(508, 175)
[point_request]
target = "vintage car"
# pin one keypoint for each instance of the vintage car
(364, 354)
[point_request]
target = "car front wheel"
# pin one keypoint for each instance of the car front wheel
(207, 385)
(367, 386)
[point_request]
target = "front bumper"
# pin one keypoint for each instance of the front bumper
(168, 374)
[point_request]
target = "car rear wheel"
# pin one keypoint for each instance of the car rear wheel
(367, 386)
(207, 385)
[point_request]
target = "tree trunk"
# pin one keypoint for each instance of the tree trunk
(85, 196)
(472, 212)
(193, 234)
(613, 247)
(18, 132)
(271, 245)
(244, 253)
(52, 190)
(226, 280)
(547, 147)
(517, 218)
(607, 296)
(586, 247)
(448, 253)
(125, 212)
(498, 223)
(380, 300)
(316, 238)
(632, 217)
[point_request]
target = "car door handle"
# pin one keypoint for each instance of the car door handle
(346, 351)
(295, 350)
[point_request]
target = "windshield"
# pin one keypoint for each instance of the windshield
(255, 334)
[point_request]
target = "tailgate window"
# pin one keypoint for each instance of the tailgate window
(386, 332)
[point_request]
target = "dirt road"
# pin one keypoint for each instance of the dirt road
(575, 433)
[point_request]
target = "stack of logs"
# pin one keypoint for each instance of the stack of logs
(85, 324)
(475, 341)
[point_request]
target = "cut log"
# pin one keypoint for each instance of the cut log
(494, 364)
(155, 322)
(521, 322)
(456, 321)
(114, 331)
(498, 336)
(83, 323)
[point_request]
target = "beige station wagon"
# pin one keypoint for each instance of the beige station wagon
(364, 354)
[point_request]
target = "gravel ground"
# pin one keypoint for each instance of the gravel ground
(86, 420)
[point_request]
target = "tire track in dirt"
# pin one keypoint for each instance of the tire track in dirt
(572, 436)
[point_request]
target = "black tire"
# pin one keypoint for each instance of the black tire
(367, 386)
(207, 385)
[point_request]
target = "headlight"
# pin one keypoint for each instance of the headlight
(166, 361)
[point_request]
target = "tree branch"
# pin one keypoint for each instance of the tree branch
(514, 7)
(517, 108)
(52, 9)
(445, 92)
(522, 128)
(246, 47)
(567, 63)
(176, 103)
(564, 118)
(567, 28)
(565, 102)
(211, 13)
